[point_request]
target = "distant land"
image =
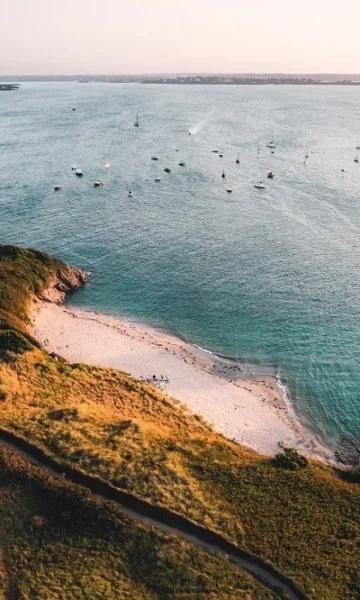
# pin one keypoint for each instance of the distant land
(200, 79)
(6, 87)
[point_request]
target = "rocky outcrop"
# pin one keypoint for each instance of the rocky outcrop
(62, 282)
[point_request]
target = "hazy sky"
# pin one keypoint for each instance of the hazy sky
(144, 36)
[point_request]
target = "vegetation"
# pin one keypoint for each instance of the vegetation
(59, 543)
(290, 459)
(22, 274)
(301, 517)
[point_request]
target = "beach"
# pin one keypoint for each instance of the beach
(250, 409)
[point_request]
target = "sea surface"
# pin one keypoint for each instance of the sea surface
(267, 277)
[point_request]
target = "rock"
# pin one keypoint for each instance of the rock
(62, 282)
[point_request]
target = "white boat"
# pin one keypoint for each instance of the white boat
(157, 179)
(271, 145)
(107, 165)
(167, 170)
(79, 172)
(221, 155)
(137, 123)
(229, 190)
(98, 183)
(259, 186)
(181, 163)
(356, 159)
(130, 194)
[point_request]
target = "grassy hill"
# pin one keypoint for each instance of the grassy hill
(59, 543)
(305, 521)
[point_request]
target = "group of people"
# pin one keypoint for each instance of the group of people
(157, 380)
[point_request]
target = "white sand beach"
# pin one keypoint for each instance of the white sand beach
(248, 408)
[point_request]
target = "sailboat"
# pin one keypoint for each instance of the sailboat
(137, 124)
(258, 154)
(238, 159)
(356, 159)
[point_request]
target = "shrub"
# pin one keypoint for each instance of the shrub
(290, 459)
(352, 475)
(64, 414)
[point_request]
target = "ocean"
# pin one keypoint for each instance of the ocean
(267, 277)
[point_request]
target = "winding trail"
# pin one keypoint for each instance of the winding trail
(158, 517)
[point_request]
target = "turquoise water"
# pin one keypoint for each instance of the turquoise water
(269, 277)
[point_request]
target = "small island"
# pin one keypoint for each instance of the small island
(7, 87)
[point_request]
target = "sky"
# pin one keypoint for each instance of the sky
(172, 36)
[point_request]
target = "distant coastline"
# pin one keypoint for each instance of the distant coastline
(229, 80)
(197, 79)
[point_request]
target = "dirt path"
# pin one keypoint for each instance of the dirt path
(158, 517)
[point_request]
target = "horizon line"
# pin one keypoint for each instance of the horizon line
(184, 73)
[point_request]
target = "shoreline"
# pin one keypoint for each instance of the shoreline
(249, 408)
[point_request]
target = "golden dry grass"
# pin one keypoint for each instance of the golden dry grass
(62, 544)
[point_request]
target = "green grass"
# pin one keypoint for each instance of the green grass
(305, 520)
(23, 274)
(59, 544)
